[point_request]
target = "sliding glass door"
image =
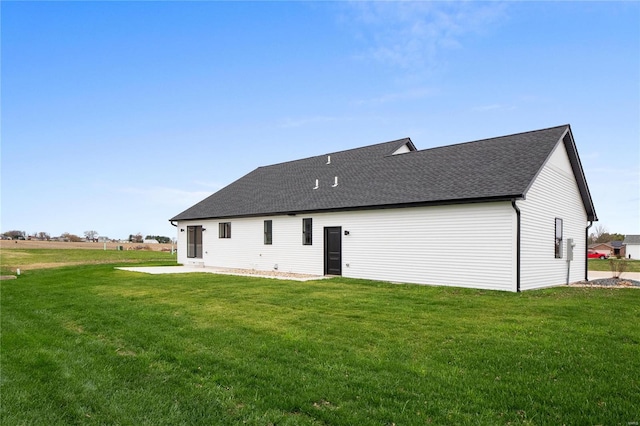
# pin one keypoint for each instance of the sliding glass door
(194, 242)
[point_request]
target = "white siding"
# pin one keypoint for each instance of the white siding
(402, 150)
(554, 194)
(633, 250)
(181, 242)
(445, 245)
(246, 249)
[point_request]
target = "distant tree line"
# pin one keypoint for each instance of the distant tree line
(602, 235)
(15, 235)
(158, 238)
(91, 236)
(137, 238)
(66, 236)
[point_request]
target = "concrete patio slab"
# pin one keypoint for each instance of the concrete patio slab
(223, 271)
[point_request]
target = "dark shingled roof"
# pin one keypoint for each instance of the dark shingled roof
(501, 168)
(631, 239)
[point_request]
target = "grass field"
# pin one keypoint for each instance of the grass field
(90, 344)
(62, 245)
(604, 265)
(28, 259)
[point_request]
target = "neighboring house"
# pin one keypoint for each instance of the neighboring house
(612, 248)
(632, 243)
(602, 248)
(618, 248)
(390, 212)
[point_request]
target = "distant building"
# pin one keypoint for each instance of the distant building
(633, 246)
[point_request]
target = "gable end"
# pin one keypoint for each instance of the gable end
(578, 172)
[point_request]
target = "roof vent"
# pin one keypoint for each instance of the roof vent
(335, 183)
(402, 149)
(317, 186)
(328, 159)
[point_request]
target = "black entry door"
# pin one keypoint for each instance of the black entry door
(333, 250)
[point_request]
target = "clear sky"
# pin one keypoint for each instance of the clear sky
(117, 116)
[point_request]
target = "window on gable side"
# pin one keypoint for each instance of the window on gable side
(307, 232)
(558, 241)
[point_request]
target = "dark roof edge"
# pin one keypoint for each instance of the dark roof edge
(546, 160)
(493, 138)
(576, 167)
(578, 172)
(369, 207)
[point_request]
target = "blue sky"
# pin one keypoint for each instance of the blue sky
(117, 116)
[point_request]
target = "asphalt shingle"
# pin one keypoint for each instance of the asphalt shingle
(631, 239)
(370, 177)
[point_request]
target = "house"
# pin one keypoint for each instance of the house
(394, 213)
(602, 248)
(612, 248)
(618, 248)
(632, 243)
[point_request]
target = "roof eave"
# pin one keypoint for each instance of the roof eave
(364, 207)
(578, 171)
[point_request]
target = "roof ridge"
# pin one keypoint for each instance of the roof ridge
(501, 168)
(396, 141)
(493, 138)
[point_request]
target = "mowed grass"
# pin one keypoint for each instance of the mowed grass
(605, 265)
(95, 345)
(26, 259)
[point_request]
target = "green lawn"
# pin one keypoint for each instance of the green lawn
(25, 259)
(604, 265)
(95, 345)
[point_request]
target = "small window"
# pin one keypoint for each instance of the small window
(268, 232)
(307, 232)
(558, 243)
(224, 230)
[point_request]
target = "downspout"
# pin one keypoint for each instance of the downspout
(515, 207)
(172, 249)
(586, 250)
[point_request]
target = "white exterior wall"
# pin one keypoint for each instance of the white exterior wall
(246, 249)
(633, 250)
(443, 245)
(554, 194)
